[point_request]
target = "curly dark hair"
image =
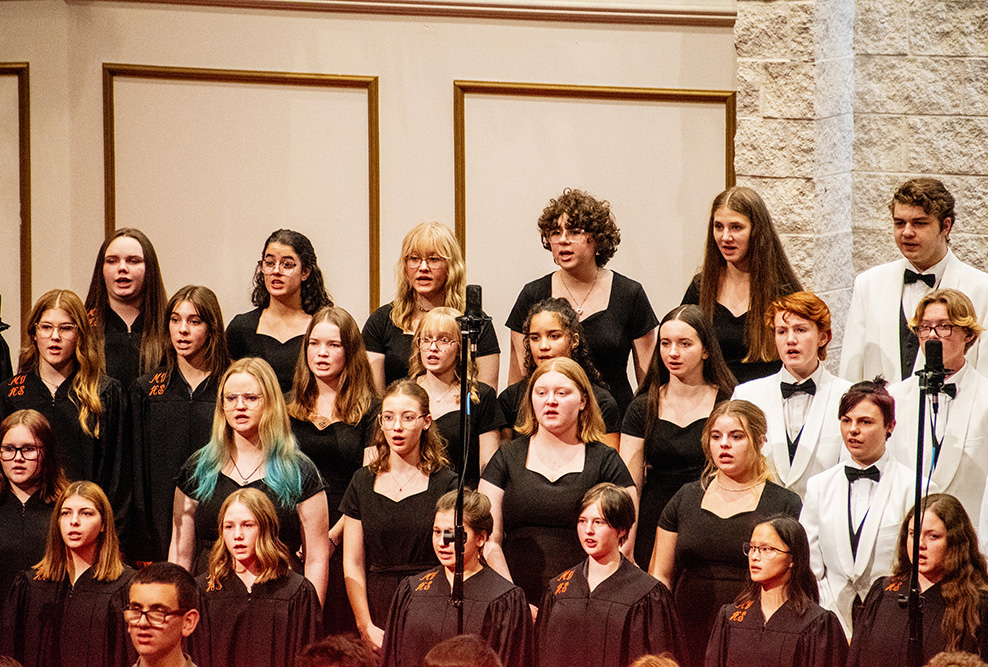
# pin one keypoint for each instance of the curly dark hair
(929, 194)
(314, 294)
(569, 321)
(583, 211)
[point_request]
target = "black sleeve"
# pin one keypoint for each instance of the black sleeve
(864, 622)
(635, 418)
(489, 415)
(508, 628)
(304, 617)
(692, 295)
(608, 410)
(530, 294)
(613, 469)
(496, 471)
(312, 482)
(350, 505)
(823, 643)
(669, 520)
(394, 629)
(236, 341)
(643, 318)
(117, 461)
(6, 369)
(185, 480)
(376, 330)
(487, 342)
(717, 646)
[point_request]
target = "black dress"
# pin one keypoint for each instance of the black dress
(511, 399)
(730, 332)
(122, 347)
(23, 535)
(742, 638)
(397, 535)
(628, 615)
(208, 511)
(881, 629)
(243, 340)
(540, 516)
(422, 616)
(485, 416)
(106, 459)
(266, 626)
(170, 422)
(711, 567)
(58, 624)
(383, 336)
(338, 452)
(673, 457)
(610, 332)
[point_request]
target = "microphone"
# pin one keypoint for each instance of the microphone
(934, 371)
(474, 299)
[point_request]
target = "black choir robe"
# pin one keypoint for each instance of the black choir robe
(628, 615)
(58, 624)
(23, 536)
(742, 638)
(170, 422)
(881, 629)
(422, 615)
(264, 627)
(122, 347)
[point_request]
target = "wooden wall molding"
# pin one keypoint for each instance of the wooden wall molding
(22, 72)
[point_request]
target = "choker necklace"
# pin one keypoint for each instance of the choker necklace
(724, 488)
(578, 307)
(251, 472)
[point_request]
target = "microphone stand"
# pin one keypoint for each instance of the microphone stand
(931, 380)
(471, 323)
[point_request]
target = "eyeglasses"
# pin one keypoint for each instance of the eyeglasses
(573, 233)
(29, 452)
(766, 552)
(47, 330)
(288, 266)
(250, 400)
(432, 261)
(156, 617)
(943, 330)
(407, 420)
(442, 342)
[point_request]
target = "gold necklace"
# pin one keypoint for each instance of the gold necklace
(578, 307)
(251, 472)
(724, 488)
(401, 487)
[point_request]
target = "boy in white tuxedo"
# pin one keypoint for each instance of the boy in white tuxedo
(800, 401)
(955, 457)
(877, 340)
(852, 512)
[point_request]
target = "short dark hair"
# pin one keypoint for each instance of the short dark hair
(616, 506)
(462, 651)
(337, 651)
(170, 573)
(929, 194)
(872, 390)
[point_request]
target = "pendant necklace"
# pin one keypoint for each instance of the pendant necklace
(578, 307)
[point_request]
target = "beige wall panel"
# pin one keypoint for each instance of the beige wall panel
(659, 164)
(208, 170)
(10, 206)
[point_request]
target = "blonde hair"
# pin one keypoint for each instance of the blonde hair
(441, 320)
(752, 421)
(89, 360)
(272, 554)
(56, 563)
(589, 425)
(960, 310)
(424, 239)
(432, 446)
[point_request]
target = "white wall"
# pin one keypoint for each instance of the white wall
(659, 165)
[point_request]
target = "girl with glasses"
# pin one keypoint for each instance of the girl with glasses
(251, 446)
(435, 366)
(62, 376)
(288, 289)
(32, 480)
(126, 305)
(430, 273)
(255, 609)
(334, 410)
(389, 504)
(172, 412)
(68, 609)
(777, 619)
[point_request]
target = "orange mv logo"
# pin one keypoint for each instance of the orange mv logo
(425, 582)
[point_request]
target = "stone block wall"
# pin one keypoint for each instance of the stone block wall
(839, 101)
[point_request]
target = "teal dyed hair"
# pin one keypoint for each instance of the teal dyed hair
(282, 473)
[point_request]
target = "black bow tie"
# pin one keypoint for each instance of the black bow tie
(854, 474)
(788, 388)
(911, 276)
(949, 389)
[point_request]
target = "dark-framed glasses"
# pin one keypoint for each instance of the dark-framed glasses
(156, 617)
(764, 551)
(944, 329)
(29, 452)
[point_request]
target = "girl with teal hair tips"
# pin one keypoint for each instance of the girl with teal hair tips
(252, 446)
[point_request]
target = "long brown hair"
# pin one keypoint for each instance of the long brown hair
(965, 577)
(207, 306)
(55, 564)
(51, 477)
(356, 394)
(154, 339)
(771, 273)
(432, 446)
(89, 360)
(802, 588)
(752, 421)
(272, 554)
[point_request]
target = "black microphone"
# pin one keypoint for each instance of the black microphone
(474, 299)
(935, 373)
(934, 355)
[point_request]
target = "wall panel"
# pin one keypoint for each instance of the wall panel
(15, 200)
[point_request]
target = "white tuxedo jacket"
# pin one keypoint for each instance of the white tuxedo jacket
(963, 464)
(871, 337)
(820, 445)
(824, 516)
